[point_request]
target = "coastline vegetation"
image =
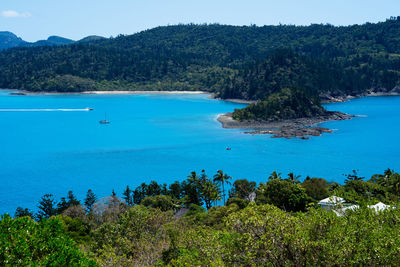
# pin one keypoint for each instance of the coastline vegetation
(276, 222)
(286, 104)
(246, 62)
(333, 60)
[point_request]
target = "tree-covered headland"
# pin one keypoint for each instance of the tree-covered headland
(286, 104)
(276, 222)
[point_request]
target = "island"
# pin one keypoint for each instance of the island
(288, 113)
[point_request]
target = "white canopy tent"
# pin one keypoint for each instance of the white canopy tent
(379, 207)
(342, 211)
(333, 200)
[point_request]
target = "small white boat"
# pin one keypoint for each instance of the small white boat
(105, 121)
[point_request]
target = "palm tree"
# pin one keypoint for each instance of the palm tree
(275, 176)
(293, 178)
(192, 189)
(210, 193)
(193, 178)
(222, 178)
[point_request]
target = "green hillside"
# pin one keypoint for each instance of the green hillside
(202, 57)
(245, 62)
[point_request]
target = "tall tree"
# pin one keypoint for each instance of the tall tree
(72, 200)
(127, 196)
(191, 188)
(154, 189)
(21, 212)
(139, 193)
(382, 179)
(90, 200)
(175, 190)
(46, 207)
(67, 202)
(274, 175)
(222, 179)
(209, 190)
(62, 205)
(210, 193)
(353, 176)
(242, 188)
(317, 188)
(294, 179)
(283, 194)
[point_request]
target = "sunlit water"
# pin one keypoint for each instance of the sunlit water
(165, 137)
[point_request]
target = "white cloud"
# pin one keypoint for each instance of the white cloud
(14, 14)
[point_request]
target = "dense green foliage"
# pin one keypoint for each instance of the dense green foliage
(283, 227)
(24, 242)
(261, 235)
(321, 76)
(286, 104)
(283, 194)
(334, 60)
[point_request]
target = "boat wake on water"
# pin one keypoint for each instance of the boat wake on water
(44, 109)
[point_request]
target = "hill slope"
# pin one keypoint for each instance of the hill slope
(8, 40)
(52, 40)
(207, 57)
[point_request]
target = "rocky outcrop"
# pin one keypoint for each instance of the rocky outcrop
(299, 128)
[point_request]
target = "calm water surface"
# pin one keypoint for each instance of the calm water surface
(165, 137)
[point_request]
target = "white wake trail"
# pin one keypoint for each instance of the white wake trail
(43, 109)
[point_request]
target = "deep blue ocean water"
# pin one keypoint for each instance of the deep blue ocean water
(165, 137)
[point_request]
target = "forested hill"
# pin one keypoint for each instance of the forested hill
(326, 77)
(10, 40)
(212, 57)
(286, 104)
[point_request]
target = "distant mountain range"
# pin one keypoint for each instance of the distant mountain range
(10, 40)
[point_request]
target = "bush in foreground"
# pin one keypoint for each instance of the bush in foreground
(24, 242)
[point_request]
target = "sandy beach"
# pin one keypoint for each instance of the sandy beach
(23, 92)
(142, 92)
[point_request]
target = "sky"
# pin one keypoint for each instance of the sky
(75, 19)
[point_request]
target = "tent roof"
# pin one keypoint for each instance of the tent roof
(331, 200)
(379, 206)
(341, 212)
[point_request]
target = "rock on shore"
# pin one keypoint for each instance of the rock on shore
(300, 128)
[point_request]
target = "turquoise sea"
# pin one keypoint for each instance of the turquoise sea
(165, 137)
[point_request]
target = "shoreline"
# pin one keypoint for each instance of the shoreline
(117, 92)
(234, 100)
(325, 99)
(299, 128)
(330, 99)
